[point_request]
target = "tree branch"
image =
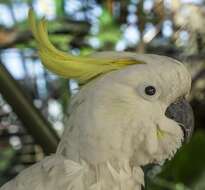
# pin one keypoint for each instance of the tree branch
(35, 123)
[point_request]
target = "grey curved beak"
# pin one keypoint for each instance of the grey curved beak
(181, 112)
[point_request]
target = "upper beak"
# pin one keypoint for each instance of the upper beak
(181, 112)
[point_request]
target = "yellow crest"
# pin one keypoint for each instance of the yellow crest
(69, 66)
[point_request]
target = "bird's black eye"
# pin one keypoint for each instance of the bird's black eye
(150, 90)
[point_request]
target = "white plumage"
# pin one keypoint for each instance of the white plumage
(114, 128)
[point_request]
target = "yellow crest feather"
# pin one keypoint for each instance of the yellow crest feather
(69, 66)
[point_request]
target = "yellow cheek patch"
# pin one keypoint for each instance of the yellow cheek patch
(69, 66)
(160, 133)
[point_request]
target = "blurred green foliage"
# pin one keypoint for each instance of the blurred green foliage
(186, 169)
(109, 29)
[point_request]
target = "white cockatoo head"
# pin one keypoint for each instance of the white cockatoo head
(122, 114)
(131, 108)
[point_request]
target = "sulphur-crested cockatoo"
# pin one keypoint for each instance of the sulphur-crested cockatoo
(130, 112)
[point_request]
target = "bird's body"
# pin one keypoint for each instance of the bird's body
(117, 124)
(113, 130)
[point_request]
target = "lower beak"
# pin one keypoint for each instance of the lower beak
(182, 113)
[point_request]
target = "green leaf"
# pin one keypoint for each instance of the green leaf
(187, 169)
